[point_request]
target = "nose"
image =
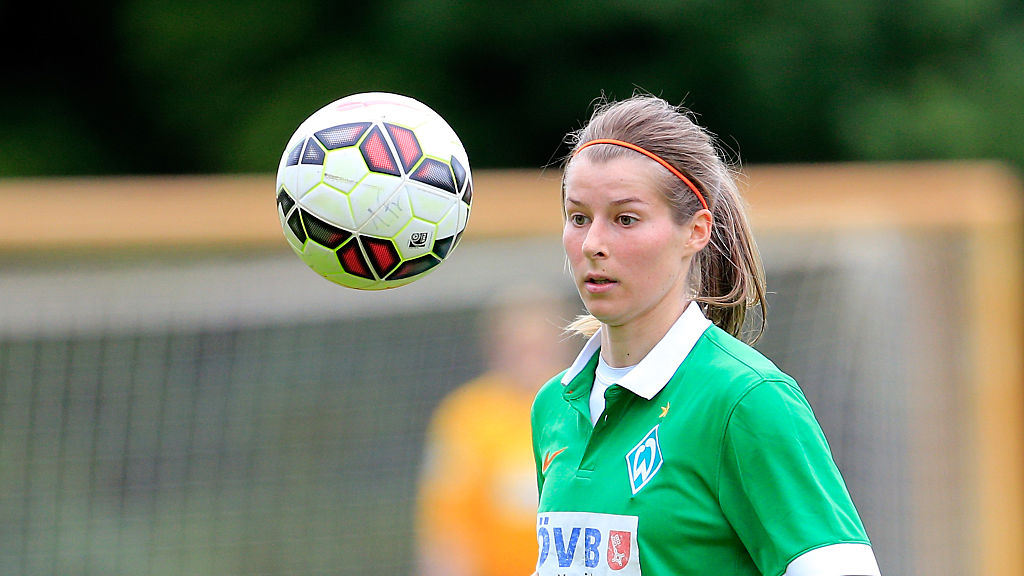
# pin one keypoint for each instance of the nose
(594, 243)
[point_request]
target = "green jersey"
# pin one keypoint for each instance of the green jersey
(707, 459)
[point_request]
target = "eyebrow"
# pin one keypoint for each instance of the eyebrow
(619, 202)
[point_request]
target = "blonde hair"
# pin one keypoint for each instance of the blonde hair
(726, 277)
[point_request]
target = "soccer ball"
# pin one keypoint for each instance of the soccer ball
(374, 191)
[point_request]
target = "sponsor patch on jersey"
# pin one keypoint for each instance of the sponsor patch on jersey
(587, 544)
(644, 461)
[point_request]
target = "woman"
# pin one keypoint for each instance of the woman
(670, 447)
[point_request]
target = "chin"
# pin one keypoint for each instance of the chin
(603, 315)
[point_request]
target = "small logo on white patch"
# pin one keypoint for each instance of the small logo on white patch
(418, 239)
(618, 549)
(644, 460)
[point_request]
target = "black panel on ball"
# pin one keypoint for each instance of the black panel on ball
(442, 246)
(285, 201)
(313, 154)
(293, 156)
(341, 136)
(460, 173)
(414, 267)
(295, 223)
(323, 233)
(437, 174)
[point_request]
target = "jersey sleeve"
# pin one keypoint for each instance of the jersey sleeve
(534, 433)
(550, 394)
(778, 484)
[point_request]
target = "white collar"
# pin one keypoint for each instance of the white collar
(653, 372)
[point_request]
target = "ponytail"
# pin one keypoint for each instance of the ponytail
(728, 273)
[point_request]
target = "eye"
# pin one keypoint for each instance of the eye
(577, 219)
(626, 219)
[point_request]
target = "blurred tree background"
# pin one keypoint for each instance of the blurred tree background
(192, 86)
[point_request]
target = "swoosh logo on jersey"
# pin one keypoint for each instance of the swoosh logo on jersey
(548, 458)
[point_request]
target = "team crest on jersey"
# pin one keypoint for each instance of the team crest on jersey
(644, 461)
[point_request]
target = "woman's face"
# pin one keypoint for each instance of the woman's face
(629, 258)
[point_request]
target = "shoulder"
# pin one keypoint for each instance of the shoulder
(720, 351)
(761, 398)
(744, 398)
(550, 394)
(724, 371)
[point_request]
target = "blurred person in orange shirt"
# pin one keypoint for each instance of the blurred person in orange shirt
(477, 504)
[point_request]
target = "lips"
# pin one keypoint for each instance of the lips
(597, 283)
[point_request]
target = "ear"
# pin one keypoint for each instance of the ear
(699, 229)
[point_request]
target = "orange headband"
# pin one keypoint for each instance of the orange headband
(650, 155)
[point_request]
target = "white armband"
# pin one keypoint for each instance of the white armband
(835, 560)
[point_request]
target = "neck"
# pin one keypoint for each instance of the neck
(628, 344)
